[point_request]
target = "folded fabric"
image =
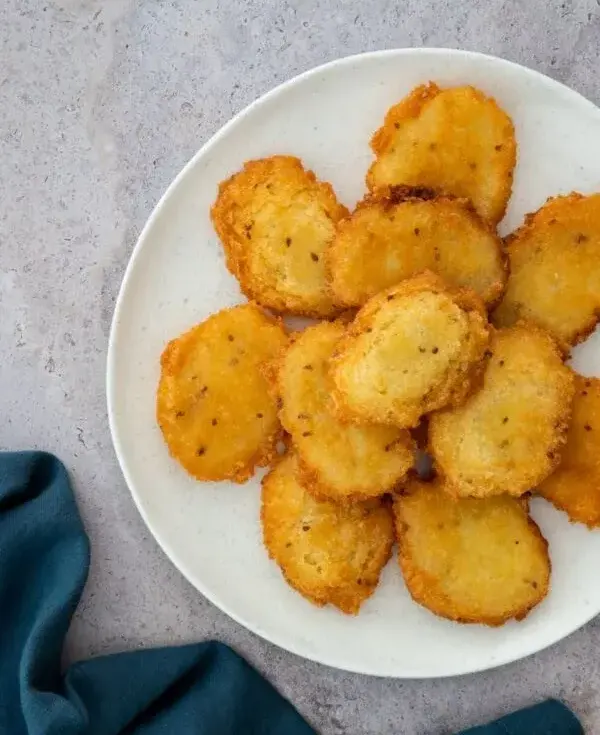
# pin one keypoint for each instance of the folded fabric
(548, 718)
(203, 689)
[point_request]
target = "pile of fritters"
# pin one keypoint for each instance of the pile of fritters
(438, 339)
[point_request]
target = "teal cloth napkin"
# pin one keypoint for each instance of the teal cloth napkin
(202, 689)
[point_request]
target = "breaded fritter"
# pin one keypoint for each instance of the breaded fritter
(336, 461)
(330, 553)
(575, 485)
(275, 220)
(470, 560)
(554, 269)
(214, 407)
(414, 348)
(456, 141)
(402, 231)
(506, 438)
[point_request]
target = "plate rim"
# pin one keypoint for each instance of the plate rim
(111, 360)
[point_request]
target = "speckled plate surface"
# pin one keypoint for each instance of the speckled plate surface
(177, 277)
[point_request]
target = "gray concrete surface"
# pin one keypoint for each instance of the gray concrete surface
(101, 103)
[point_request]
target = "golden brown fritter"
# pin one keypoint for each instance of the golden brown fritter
(213, 403)
(470, 560)
(456, 141)
(575, 485)
(506, 438)
(402, 231)
(331, 554)
(554, 269)
(275, 220)
(336, 461)
(411, 349)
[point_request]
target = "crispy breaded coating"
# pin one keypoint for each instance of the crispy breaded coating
(400, 232)
(507, 436)
(414, 348)
(456, 141)
(470, 560)
(336, 461)
(575, 485)
(554, 269)
(213, 406)
(275, 220)
(330, 553)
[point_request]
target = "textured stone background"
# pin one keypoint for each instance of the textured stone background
(101, 103)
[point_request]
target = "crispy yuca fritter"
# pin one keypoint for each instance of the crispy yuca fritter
(336, 461)
(470, 560)
(456, 141)
(402, 231)
(213, 403)
(330, 553)
(275, 220)
(554, 269)
(411, 349)
(575, 485)
(507, 436)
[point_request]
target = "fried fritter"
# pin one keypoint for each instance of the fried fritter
(331, 554)
(575, 485)
(554, 269)
(275, 220)
(213, 403)
(456, 141)
(402, 231)
(336, 461)
(506, 438)
(469, 560)
(411, 349)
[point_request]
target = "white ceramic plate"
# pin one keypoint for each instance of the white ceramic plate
(177, 277)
